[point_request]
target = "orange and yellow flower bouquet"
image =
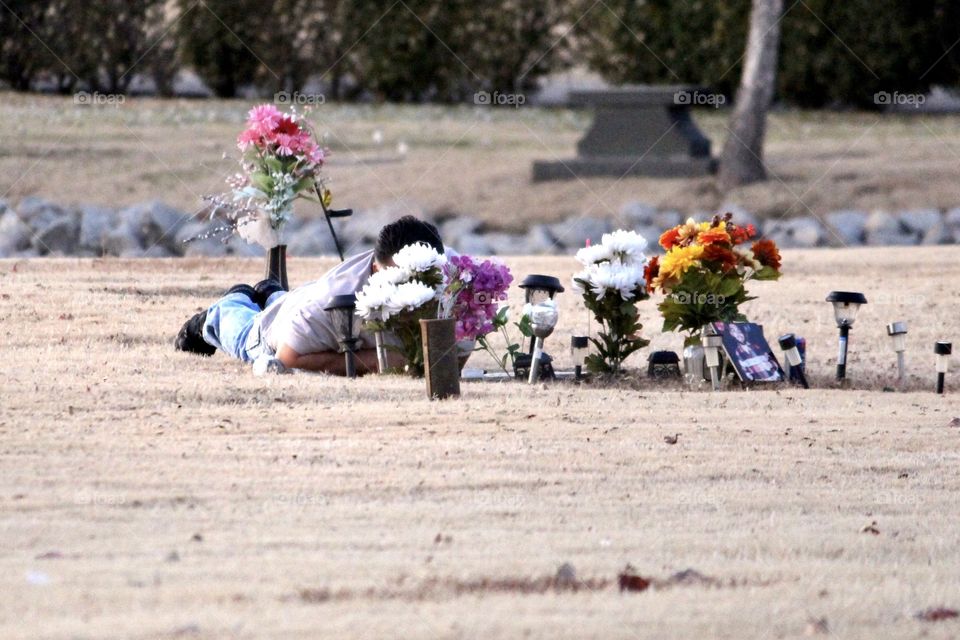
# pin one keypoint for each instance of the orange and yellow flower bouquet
(705, 270)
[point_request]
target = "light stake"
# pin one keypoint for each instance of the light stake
(845, 307)
(663, 364)
(711, 350)
(898, 335)
(788, 342)
(943, 351)
(543, 318)
(381, 352)
(579, 347)
(342, 310)
(537, 288)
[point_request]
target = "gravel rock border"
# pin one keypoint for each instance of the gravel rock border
(37, 227)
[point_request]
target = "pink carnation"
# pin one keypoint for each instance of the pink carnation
(286, 145)
(249, 137)
(263, 118)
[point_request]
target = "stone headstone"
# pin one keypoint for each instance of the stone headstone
(641, 130)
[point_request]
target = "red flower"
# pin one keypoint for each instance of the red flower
(713, 235)
(741, 234)
(651, 271)
(726, 258)
(286, 126)
(766, 253)
(669, 238)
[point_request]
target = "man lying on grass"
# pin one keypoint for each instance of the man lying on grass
(279, 329)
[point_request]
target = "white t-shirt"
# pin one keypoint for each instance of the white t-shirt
(298, 319)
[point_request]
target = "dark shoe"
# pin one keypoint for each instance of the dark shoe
(245, 289)
(264, 289)
(190, 338)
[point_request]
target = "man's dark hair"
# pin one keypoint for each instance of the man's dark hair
(406, 230)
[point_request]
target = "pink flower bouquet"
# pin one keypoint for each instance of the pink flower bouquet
(281, 162)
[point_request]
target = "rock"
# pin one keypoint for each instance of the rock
(458, 227)
(506, 244)
(313, 239)
(188, 242)
(919, 221)
(207, 247)
(937, 234)
(652, 234)
(122, 240)
(540, 241)
(883, 229)
(952, 221)
(741, 216)
(573, 232)
(237, 246)
(801, 233)
(637, 214)
(665, 220)
(58, 236)
(154, 223)
(38, 213)
(363, 227)
(155, 251)
(15, 235)
(471, 245)
(849, 228)
(95, 223)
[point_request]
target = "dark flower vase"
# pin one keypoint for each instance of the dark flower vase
(277, 265)
(440, 365)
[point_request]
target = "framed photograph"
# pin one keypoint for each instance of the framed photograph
(748, 352)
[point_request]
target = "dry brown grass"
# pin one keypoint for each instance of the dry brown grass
(161, 495)
(467, 160)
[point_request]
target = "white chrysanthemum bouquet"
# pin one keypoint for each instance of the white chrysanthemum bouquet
(396, 298)
(612, 281)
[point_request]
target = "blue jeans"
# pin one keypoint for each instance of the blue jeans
(233, 326)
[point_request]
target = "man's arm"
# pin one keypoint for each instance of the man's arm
(333, 362)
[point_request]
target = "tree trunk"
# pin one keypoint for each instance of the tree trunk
(742, 158)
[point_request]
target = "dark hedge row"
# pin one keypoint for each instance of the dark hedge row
(833, 53)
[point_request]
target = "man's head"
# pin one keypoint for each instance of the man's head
(398, 234)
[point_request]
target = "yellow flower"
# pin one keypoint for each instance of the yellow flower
(677, 261)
